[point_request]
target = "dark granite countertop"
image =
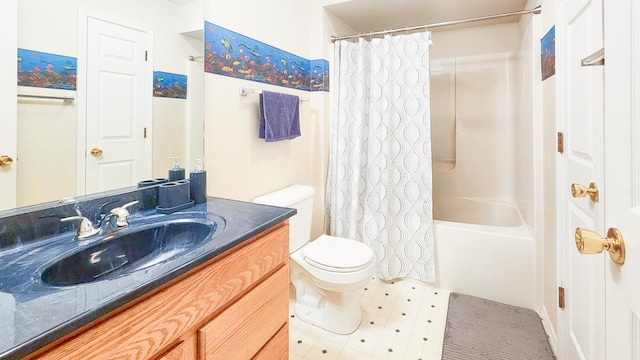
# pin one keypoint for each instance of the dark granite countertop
(33, 313)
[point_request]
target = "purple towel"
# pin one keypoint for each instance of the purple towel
(279, 116)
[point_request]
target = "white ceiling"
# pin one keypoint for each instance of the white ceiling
(375, 15)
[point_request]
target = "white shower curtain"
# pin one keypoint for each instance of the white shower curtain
(379, 184)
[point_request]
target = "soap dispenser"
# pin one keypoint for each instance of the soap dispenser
(198, 179)
(177, 173)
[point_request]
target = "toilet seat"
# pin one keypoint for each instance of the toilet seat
(336, 254)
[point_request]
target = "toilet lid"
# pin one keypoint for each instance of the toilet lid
(337, 254)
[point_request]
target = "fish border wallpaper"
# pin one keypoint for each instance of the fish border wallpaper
(169, 85)
(548, 54)
(46, 70)
(234, 55)
(319, 75)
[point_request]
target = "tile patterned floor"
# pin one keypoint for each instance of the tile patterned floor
(401, 320)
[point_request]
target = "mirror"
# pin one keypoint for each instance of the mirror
(48, 135)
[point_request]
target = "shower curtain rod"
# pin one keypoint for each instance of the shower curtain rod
(536, 10)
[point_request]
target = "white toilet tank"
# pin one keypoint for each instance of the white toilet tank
(299, 197)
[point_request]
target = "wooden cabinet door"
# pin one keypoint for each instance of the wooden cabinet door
(246, 326)
(277, 348)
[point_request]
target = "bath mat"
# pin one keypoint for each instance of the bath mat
(479, 329)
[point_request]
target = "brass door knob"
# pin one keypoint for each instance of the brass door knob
(5, 160)
(578, 190)
(590, 242)
(96, 152)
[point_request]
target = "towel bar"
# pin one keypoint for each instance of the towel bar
(65, 99)
(246, 91)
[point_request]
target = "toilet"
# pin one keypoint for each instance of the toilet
(328, 272)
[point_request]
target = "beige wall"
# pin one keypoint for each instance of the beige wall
(535, 159)
(476, 40)
(47, 129)
(238, 164)
(527, 76)
(549, 260)
(8, 141)
(169, 132)
(46, 149)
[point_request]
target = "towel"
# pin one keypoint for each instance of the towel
(279, 116)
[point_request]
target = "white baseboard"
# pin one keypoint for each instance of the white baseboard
(548, 328)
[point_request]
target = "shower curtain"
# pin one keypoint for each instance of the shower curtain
(379, 182)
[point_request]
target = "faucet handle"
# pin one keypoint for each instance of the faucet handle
(85, 229)
(121, 213)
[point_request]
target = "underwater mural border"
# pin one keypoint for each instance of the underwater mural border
(169, 85)
(46, 70)
(231, 54)
(319, 75)
(53, 71)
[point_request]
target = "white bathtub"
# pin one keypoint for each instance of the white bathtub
(482, 248)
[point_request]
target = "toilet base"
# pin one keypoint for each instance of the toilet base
(338, 312)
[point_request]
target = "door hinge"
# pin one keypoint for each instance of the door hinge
(561, 297)
(145, 133)
(560, 142)
(146, 55)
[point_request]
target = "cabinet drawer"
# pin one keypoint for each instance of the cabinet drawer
(149, 327)
(247, 325)
(277, 348)
(185, 350)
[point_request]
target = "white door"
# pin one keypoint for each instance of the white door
(622, 174)
(581, 329)
(8, 103)
(118, 98)
(602, 315)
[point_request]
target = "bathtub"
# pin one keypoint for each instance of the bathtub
(483, 248)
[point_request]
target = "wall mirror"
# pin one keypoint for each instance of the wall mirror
(52, 134)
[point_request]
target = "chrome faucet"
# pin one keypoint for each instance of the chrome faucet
(86, 228)
(121, 213)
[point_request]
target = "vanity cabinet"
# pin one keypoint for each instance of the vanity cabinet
(235, 306)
